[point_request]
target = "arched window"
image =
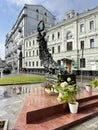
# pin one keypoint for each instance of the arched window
(69, 35)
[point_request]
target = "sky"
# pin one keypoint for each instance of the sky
(10, 10)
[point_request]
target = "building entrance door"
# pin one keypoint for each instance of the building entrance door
(68, 65)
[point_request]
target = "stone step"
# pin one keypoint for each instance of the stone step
(87, 97)
(87, 101)
(46, 113)
(43, 111)
(88, 104)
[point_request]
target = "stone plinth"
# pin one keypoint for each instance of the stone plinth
(42, 111)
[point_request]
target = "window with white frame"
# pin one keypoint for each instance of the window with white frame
(33, 52)
(29, 53)
(59, 49)
(26, 44)
(26, 63)
(69, 46)
(52, 50)
(92, 25)
(92, 43)
(36, 63)
(41, 63)
(52, 36)
(82, 28)
(37, 52)
(29, 43)
(82, 44)
(32, 63)
(26, 54)
(58, 35)
(33, 42)
(29, 63)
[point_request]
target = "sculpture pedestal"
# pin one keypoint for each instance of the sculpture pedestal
(42, 111)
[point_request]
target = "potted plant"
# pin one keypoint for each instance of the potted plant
(88, 88)
(93, 84)
(68, 94)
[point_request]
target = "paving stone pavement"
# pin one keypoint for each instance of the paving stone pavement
(10, 107)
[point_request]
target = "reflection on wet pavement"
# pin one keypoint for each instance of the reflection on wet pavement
(11, 100)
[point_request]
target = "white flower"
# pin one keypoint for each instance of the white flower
(53, 86)
(68, 79)
(55, 91)
(59, 97)
(64, 84)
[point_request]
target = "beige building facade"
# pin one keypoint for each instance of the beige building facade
(74, 41)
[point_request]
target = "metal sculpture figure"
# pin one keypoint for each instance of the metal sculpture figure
(47, 60)
(45, 56)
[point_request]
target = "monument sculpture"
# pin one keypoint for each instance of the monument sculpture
(46, 57)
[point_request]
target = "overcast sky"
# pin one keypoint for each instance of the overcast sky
(10, 10)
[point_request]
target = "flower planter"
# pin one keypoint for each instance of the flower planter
(88, 88)
(73, 107)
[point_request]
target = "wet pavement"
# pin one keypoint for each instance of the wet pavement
(12, 100)
(11, 103)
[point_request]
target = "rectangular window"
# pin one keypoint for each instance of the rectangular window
(52, 36)
(29, 63)
(92, 25)
(33, 42)
(33, 63)
(52, 50)
(29, 53)
(36, 63)
(69, 46)
(82, 62)
(26, 63)
(92, 43)
(82, 28)
(26, 54)
(58, 49)
(41, 63)
(82, 44)
(26, 44)
(37, 52)
(58, 35)
(33, 52)
(29, 43)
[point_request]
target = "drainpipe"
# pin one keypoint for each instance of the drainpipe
(77, 46)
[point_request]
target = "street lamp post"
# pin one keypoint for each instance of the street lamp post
(82, 66)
